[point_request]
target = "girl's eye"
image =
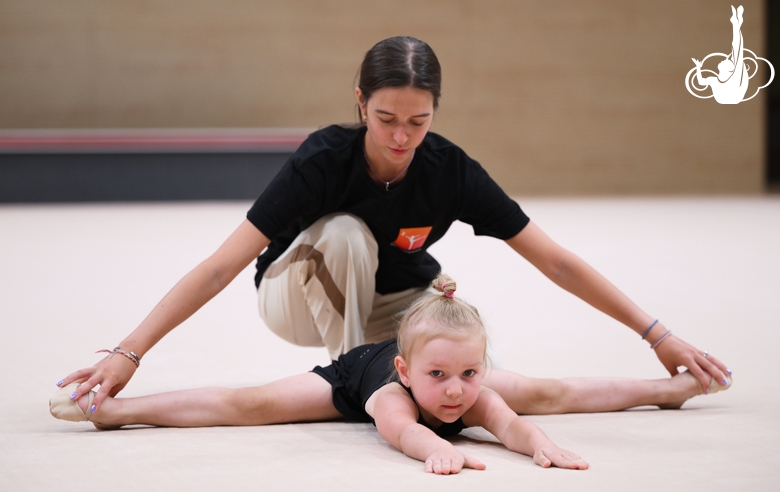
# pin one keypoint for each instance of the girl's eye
(414, 123)
(437, 374)
(469, 373)
(385, 121)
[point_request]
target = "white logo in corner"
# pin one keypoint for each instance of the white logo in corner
(730, 84)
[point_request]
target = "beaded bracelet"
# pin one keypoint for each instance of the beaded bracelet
(648, 329)
(661, 339)
(117, 350)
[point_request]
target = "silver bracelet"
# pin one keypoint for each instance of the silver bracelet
(118, 350)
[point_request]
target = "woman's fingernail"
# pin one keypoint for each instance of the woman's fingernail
(707, 391)
(725, 383)
(729, 371)
(59, 383)
(92, 410)
(73, 396)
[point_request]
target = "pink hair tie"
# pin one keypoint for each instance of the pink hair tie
(448, 295)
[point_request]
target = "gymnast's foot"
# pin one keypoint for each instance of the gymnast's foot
(62, 407)
(685, 386)
(101, 419)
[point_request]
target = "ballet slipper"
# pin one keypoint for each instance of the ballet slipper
(62, 407)
(714, 387)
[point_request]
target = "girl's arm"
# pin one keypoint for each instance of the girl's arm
(574, 275)
(396, 416)
(517, 433)
(193, 291)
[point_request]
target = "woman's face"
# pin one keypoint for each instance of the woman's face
(397, 120)
(445, 376)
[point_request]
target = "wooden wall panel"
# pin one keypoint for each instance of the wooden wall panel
(553, 97)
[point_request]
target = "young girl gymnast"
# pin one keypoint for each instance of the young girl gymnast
(430, 382)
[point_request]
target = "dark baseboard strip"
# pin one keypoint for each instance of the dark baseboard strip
(94, 177)
(109, 165)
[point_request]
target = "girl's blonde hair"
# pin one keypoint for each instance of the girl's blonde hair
(447, 316)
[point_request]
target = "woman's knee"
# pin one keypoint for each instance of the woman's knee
(346, 232)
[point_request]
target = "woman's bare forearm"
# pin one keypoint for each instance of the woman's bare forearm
(572, 274)
(582, 280)
(198, 287)
(188, 295)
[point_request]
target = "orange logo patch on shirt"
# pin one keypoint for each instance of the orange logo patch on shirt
(411, 239)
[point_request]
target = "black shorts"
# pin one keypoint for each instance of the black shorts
(356, 375)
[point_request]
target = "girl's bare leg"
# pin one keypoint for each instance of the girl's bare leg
(303, 398)
(530, 396)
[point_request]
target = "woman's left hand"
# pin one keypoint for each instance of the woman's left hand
(674, 352)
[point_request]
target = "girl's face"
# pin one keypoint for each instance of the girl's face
(397, 120)
(445, 376)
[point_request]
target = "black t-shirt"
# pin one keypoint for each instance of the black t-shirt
(328, 174)
(359, 373)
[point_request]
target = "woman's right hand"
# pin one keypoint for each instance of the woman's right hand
(111, 373)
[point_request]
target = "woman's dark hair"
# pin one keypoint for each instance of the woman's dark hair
(401, 61)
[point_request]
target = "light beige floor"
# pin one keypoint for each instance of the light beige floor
(77, 278)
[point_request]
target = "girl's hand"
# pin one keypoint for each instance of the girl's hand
(112, 374)
(674, 352)
(552, 455)
(446, 461)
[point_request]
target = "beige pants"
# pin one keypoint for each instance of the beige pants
(321, 291)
